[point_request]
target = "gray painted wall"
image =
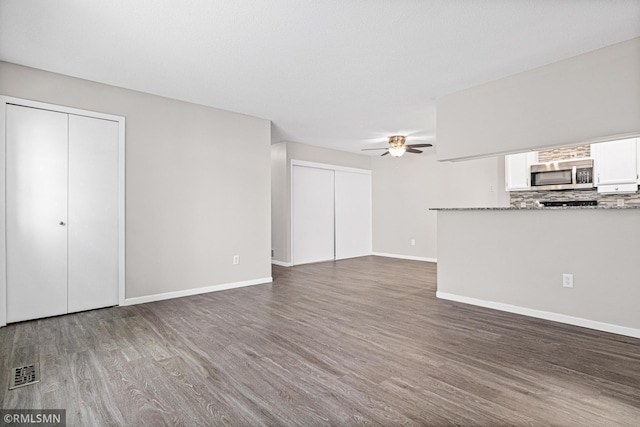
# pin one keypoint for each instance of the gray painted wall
(197, 182)
(588, 98)
(280, 203)
(311, 153)
(405, 188)
(518, 257)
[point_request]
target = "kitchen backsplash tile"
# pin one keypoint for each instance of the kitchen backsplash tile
(529, 197)
(564, 153)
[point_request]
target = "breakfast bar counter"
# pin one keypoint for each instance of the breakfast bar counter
(544, 208)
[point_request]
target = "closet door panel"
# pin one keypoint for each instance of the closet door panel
(36, 205)
(313, 222)
(93, 213)
(353, 214)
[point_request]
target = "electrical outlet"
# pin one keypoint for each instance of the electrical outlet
(567, 280)
(523, 204)
(413, 242)
(620, 202)
(236, 259)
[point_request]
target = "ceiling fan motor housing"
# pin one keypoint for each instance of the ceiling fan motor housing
(397, 140)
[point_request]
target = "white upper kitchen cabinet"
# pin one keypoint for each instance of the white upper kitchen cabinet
(518, 170)
(616, 165)
(638, 154)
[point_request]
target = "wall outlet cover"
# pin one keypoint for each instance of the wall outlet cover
(567, 280)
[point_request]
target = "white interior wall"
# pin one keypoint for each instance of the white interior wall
(405, 188)
(514, 260)
(588, 98)
(197, 183)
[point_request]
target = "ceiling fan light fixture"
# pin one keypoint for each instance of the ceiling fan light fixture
(397, 151)
(397, 147)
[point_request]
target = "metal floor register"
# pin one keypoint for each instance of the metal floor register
(24, 375)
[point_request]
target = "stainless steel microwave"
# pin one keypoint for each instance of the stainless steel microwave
(563, 175)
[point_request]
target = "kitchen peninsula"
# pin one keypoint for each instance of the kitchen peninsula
(516, 260)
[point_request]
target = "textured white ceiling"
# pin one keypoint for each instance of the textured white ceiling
(336, 73)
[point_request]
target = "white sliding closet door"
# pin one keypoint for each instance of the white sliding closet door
(62, 213)
(312, 210)
(93, 213)
(36, 213)
(352, 214)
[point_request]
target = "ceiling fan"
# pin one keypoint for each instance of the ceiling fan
(397, 147)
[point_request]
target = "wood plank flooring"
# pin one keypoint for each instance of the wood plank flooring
(355, 342)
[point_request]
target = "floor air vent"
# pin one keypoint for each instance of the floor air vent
(24, 375)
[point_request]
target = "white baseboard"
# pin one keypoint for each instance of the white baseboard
(195, 291)
(547, 315)
(413, 258)
(281, 263)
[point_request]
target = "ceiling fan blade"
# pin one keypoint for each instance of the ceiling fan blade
(419, 145)
(385, 153)
(367, 149)
(413, 150)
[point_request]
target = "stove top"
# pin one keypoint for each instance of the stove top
(570, 203)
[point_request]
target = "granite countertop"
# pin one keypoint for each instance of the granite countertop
(531, 208)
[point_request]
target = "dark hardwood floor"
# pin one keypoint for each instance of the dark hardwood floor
(355, 342)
